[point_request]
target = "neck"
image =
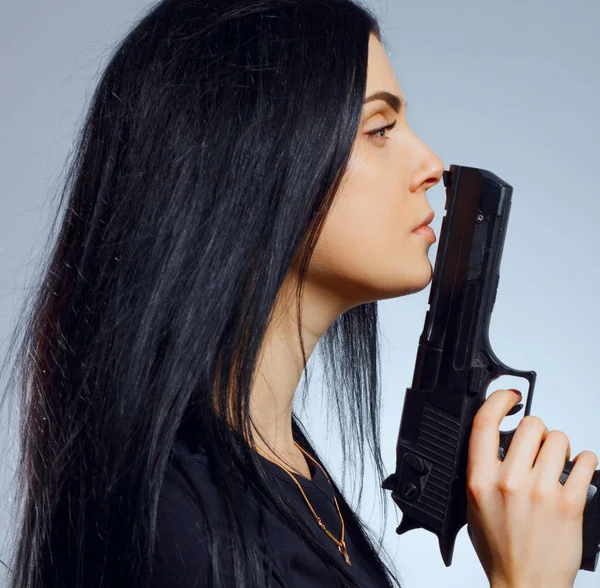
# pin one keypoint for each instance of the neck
(280, 366)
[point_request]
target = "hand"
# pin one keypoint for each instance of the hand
(526, 528)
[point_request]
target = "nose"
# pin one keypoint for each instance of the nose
(430, 169)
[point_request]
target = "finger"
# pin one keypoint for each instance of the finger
(576, 485)
(550, 461)
(524, 447)
(485, 433)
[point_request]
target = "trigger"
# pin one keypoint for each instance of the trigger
(515, 409)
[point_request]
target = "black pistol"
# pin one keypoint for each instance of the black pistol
(455, 365)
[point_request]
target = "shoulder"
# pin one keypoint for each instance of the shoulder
(183, 525)
(191, 526)
(188, 490)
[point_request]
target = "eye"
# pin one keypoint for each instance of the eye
(382, 130)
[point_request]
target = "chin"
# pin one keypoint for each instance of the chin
(389, 282)
(422, 281)
(414, 287)
(415, 277)
(408, 283)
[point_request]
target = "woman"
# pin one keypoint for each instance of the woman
(245, 186)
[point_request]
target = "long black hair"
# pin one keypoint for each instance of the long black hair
(212, 150)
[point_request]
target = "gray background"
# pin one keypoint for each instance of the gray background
(512, 87)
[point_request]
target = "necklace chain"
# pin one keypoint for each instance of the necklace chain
(341, 543)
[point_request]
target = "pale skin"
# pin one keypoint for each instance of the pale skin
(366, 252)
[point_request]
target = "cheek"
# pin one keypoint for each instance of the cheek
(369, 209)
(366, 237)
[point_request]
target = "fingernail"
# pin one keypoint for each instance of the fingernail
(516, 392)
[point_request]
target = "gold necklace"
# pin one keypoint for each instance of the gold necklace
(341, 543)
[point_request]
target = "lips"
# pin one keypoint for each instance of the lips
(427, 220)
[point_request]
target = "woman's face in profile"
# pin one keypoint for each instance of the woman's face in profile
(367, 250)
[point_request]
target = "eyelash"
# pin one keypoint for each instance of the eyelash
(387, 128)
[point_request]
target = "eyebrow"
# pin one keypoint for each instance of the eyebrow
(394, 101)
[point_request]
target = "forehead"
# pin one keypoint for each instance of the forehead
(380, 73)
